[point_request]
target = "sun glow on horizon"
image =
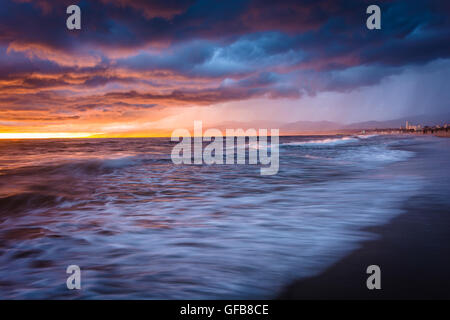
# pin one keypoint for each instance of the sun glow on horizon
(44, 135)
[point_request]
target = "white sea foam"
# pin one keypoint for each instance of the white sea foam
(367, 136)
(323, 142)
(197, 231)
(368, 155)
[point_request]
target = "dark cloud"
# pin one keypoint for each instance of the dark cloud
(141, 54)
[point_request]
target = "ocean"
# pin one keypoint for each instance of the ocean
(141, 227)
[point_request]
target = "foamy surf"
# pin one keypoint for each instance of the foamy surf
(166, 231)
(322, 142)
(367, 136)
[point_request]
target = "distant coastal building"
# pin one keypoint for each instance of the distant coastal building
(437, 130)
(413, 128)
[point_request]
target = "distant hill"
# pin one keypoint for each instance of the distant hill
(285, 128)
(424, 120)
(310, 127)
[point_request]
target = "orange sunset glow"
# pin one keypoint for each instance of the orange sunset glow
(136, 73)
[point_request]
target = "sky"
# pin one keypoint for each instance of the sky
(145, 68)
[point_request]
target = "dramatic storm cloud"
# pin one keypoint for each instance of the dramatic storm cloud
(139, 66)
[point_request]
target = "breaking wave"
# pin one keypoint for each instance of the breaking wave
(330, 142)
(146, 228)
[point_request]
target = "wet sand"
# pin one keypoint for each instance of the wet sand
(413, 250)
(413, 254)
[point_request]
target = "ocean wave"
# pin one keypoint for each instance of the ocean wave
(322, 142)
(304, 219)
(375, 154)
(26, 200)
(367, 136)
(313, 157)
(85, 166)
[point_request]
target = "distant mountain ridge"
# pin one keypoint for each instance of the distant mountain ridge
(330, 126)
(318, 126)
(424, 120)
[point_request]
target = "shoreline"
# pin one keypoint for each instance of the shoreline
(412, 250)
